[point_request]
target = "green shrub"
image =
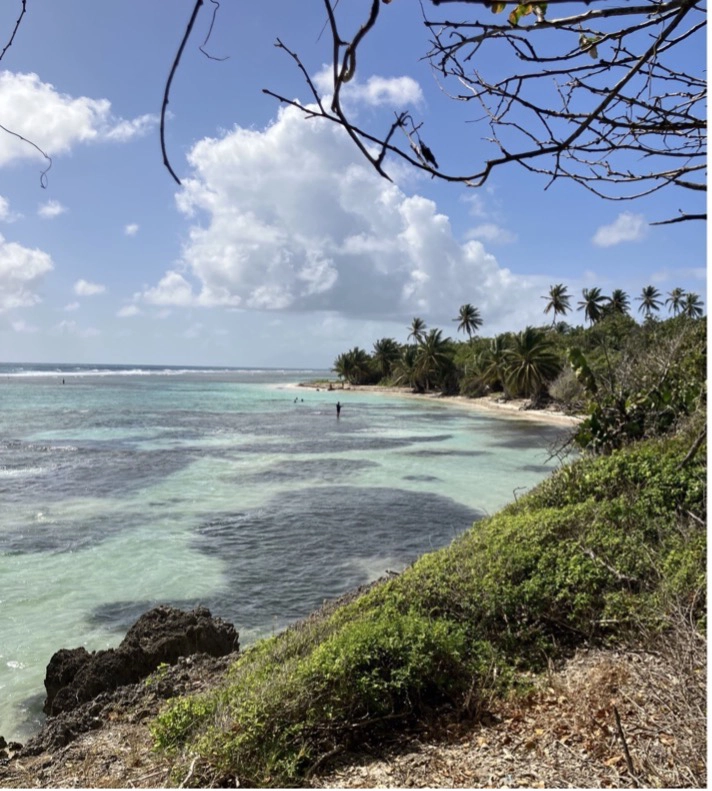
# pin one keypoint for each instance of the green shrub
(603, 549)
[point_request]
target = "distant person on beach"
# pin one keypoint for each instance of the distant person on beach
(338, 408)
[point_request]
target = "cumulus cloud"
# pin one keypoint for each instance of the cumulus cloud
(290, 218)
(376, 91)
(491, 232)
(127, 311)
(131, 229)
(6, 215)
(71, 306)
(51, 209)
(83, 288)
(21, 271)
(627, 227)
(22, 326)
(66, 327)
(55, 121)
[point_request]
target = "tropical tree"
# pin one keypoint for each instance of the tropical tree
(433, 360)
(386, 353)
(470, 319)
(649, 300)
(559, 301)
(492, 363)
(675, 300)
(354, 366)
(618, 302)
(417, 329)
(692, 307)
(531, 363)
(592, 304)
(404, 369)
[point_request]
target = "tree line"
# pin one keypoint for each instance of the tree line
(629, 378)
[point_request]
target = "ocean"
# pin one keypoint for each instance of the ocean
(122, 487)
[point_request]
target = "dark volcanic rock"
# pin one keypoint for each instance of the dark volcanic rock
(160, 636)
(131, 703)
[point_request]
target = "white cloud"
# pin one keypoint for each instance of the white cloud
(131, 229)
(21, 271)
(127, 311)
(491, 232)
(6, 215)
(66, 327)
(376, 91)
(22, 326)
(668, 275)
(71, 306)
(289, 218)
(51, 209)
(627, 227)
(55, 121)
(173, 289)
(83, 288)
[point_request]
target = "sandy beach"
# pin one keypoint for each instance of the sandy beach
(515, 408)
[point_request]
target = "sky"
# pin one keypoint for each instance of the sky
(282, 247)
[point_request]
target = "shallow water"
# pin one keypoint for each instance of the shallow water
(123, 488)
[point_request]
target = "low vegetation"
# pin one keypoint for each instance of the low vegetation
(610, 550)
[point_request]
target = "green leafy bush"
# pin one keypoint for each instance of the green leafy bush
(602, 550)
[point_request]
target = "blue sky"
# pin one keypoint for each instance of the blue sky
(282, 247)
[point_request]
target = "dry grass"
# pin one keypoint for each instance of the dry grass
(566, 734)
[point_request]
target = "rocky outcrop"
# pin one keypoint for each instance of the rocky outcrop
(160, 636)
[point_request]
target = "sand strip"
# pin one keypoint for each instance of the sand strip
(514, 408)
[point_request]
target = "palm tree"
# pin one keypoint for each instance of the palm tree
(618, 302)
(470, 319)
(592, 304)
(433, 360)
(386, 352)
(354, 366)
(675, 300)
(417, 329)
(692, 307)
(404, 369)
(492, 363)
(531, 362)
(649, 300)
(559, 301)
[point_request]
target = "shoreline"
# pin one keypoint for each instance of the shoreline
(514, 408)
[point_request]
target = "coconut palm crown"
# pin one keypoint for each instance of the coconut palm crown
(559, 301)
(470, 319)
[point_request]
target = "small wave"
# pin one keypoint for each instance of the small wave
(21, 472)
(70, 371)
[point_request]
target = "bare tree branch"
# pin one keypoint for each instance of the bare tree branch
(43, 173)
(210, 32)
(167, 89)
(14, 31)
(596, 97)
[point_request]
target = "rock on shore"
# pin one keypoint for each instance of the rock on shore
(80, 685)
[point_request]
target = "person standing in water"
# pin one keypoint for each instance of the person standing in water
(338, 408)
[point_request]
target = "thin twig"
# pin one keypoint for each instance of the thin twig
(628, 759)
(210, 32)
(192, 766)
(14, 32)
(167, 89)
(43, 174)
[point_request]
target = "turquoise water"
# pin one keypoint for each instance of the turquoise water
(125, 488)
